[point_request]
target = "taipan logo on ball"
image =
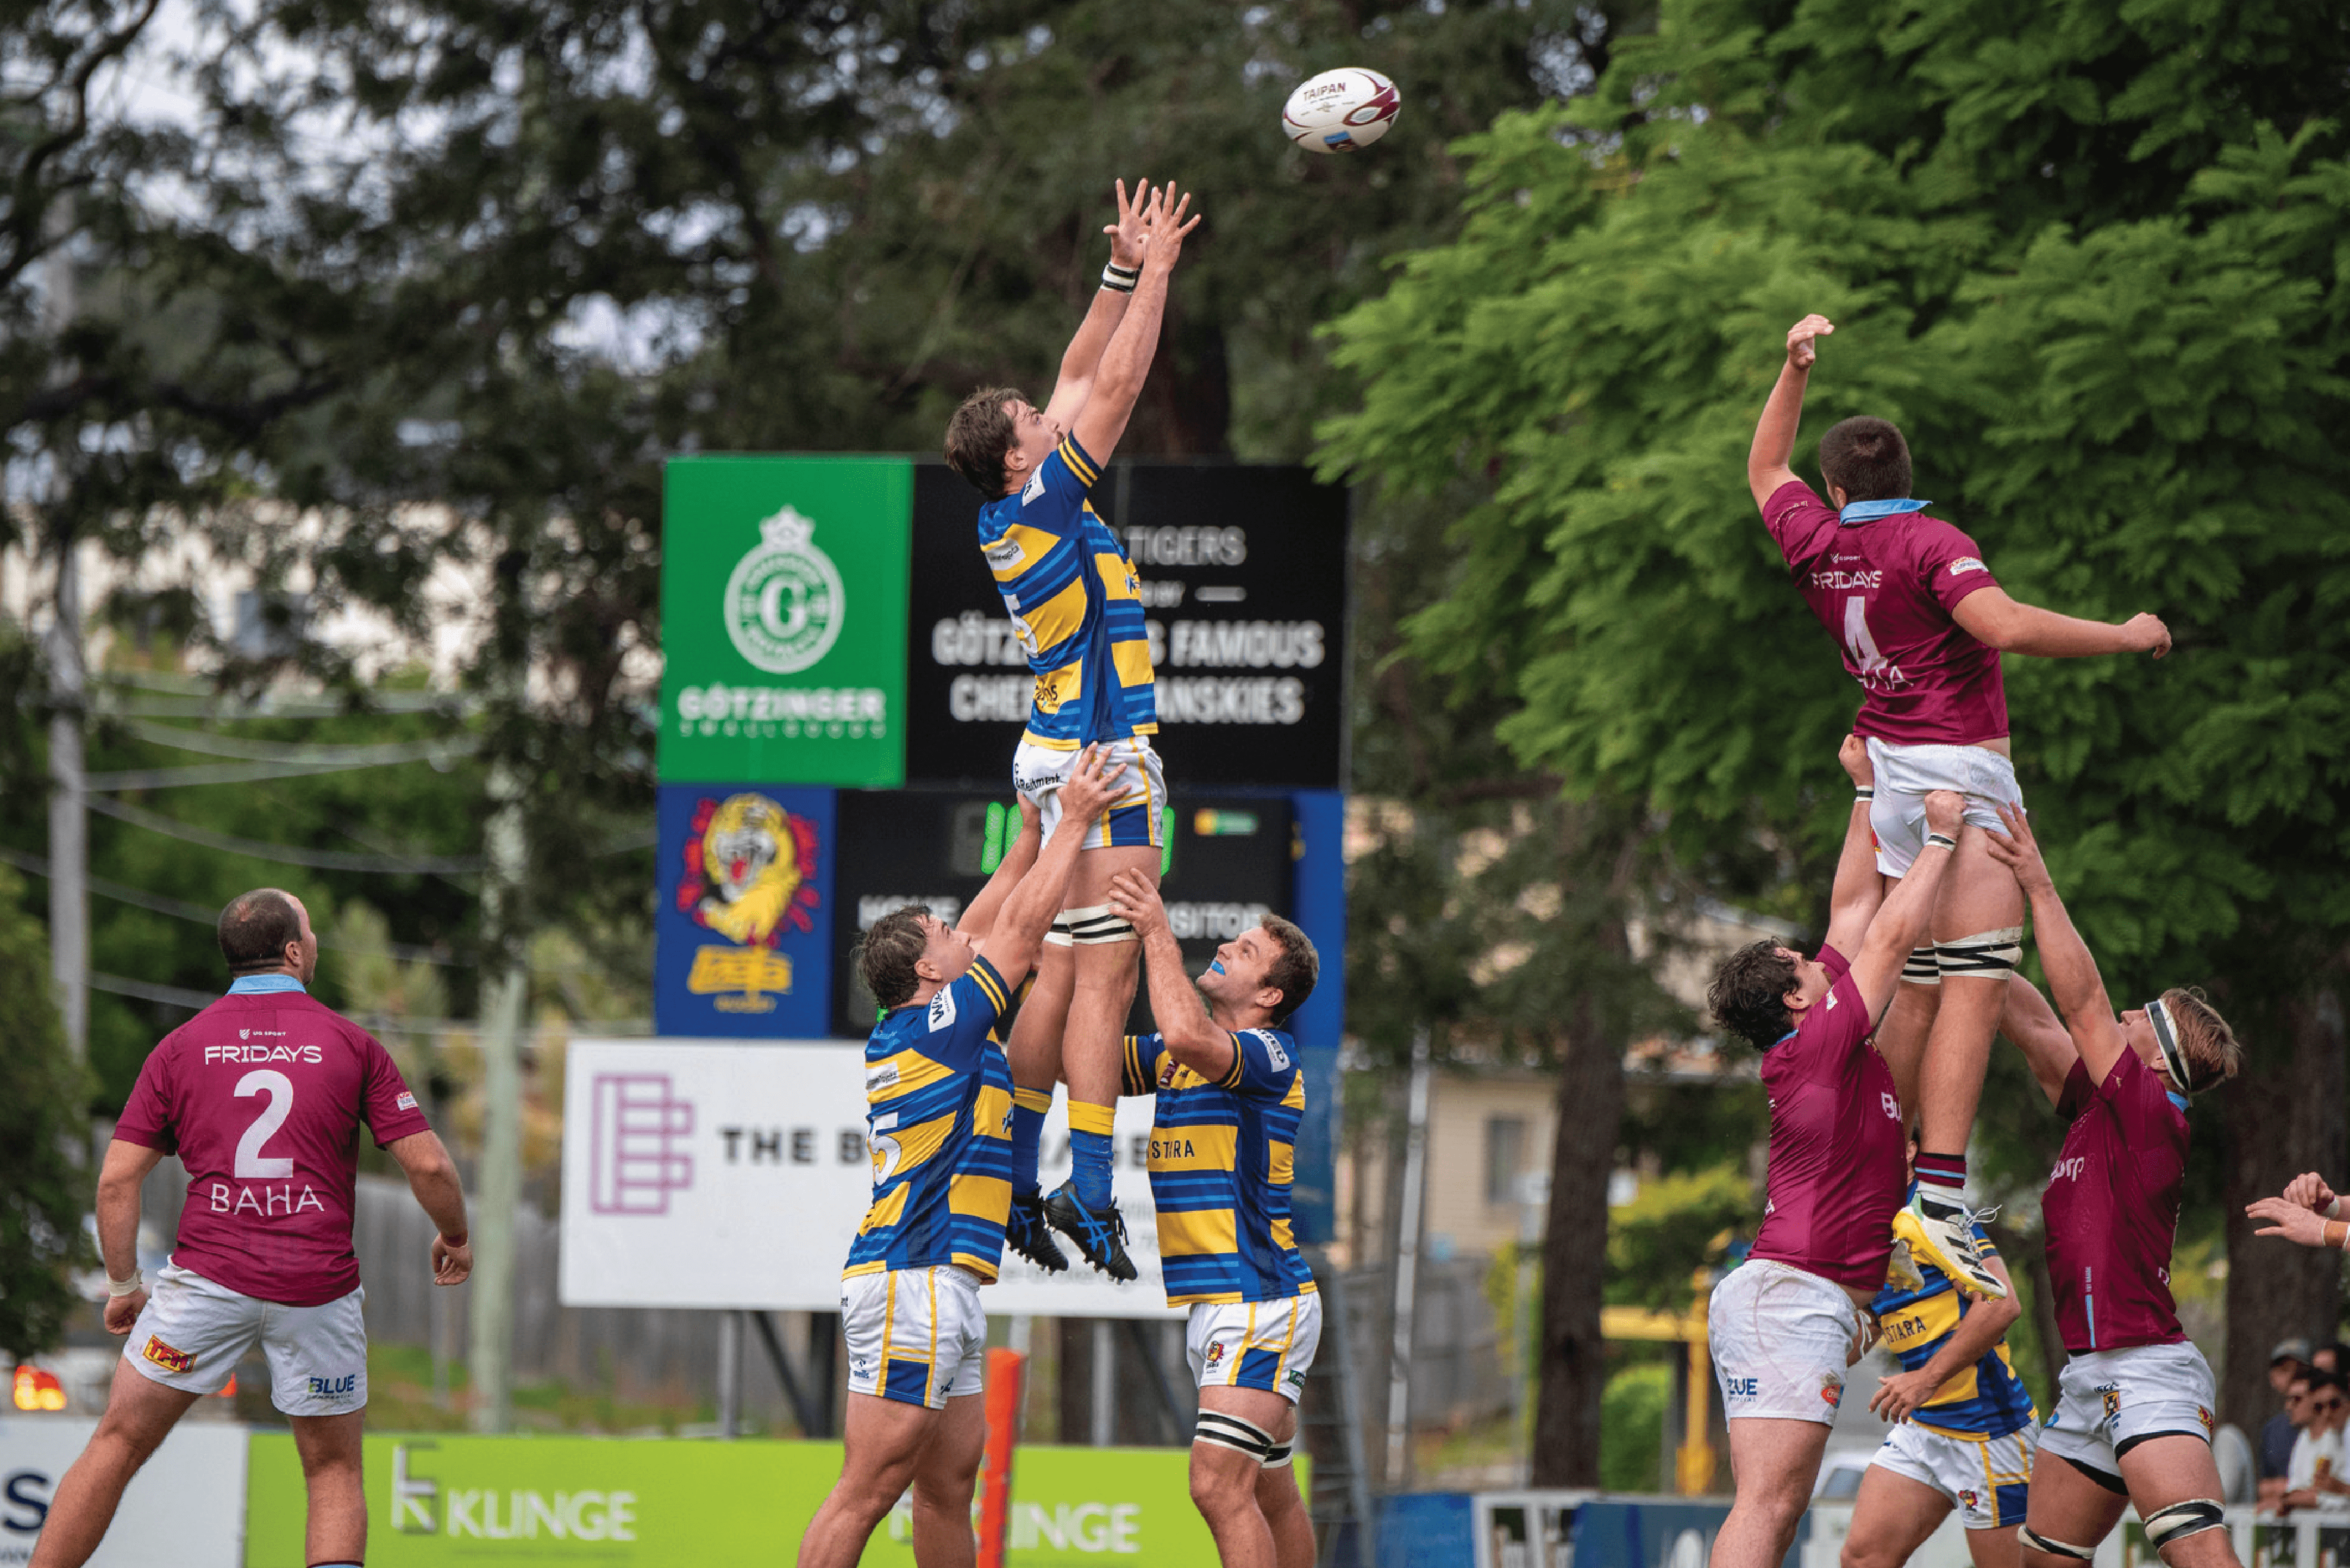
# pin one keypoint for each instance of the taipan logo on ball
(785, 603)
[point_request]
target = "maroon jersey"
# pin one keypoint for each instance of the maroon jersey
(261, 1097)
(1885, 589)
(2112, 1208)
(1838, 1157)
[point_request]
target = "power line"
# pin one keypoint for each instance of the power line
(212, 744)
(285, 855)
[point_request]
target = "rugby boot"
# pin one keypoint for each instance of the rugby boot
(1942, 1233)
(1901, 1269)
(1100, 1233)
(1027, 1234)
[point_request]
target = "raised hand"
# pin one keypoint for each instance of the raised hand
(1854, 756)
(1801, 347)
(1131, 233)
(1945, 811)
(2017, 850)
(1165, 218)
(2308, 1190)
(1091, 786)
(2289, 1220)
(1133, 899)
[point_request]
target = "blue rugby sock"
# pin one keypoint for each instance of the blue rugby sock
(1089, 1135)
(1028, 1108)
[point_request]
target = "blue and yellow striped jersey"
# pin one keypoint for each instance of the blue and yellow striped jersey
(1074, 600)
(1985, 1400)
(938, 1121)
(1222, 1158)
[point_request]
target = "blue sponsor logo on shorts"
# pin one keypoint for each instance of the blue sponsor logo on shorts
(341, 1388)
(1741, 1387)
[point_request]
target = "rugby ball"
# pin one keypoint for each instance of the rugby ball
(1340, 111)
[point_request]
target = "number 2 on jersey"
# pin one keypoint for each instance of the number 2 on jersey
(250, 1161)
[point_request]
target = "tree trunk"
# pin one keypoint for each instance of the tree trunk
(2283, 1115)
(1573, 1366)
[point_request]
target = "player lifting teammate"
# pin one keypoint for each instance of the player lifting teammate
(1786, 1322)
(2133, 1421)
(1223, 1136)
(1922, 622)
(1074, 600)
(937, 1116)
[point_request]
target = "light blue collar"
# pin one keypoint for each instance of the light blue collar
(2176, 1099)
(1870, 510)
(265, 985)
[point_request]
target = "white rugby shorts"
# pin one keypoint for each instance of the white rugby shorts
(1137, 816)
(1906, 774)
(1782, 1337)
(1254, 1344)
(915, 1335)
(193, 1333)
(2109, 1401)
(1987, 1479)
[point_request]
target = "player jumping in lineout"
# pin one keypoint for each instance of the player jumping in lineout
(2134, 1407)
(1921, 623)
(1785, 1324)
(1223, 1135)
(1075, 601)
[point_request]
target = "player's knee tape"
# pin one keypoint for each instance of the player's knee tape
(1921, 968)
(1234, 1432)
(1277, 1456)
(1093, 926)
(2181, 1519)
(1986, 955)
(2038, 1542)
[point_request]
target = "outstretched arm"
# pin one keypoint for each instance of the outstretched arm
(1774, 433)
(1019, 855)
(1988, 616)
(1019, 929)
(1109, 308)
(2033, 1028)
(1192, 1038)
(2072, 975)
(1125, 363)
(1902, 922)
(1859, 889)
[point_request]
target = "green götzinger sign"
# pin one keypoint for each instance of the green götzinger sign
(783, 620)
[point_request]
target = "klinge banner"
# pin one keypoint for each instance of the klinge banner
(784, 618)
(1242, 574)
(742, 926)
(704, 1173)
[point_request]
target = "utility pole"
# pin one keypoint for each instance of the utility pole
(1407, 1278)
(499, 1197)
(69, 692)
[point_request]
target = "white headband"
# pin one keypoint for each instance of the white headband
(2166, 1040)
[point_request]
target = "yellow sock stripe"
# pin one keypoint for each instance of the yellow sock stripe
(1090, 1118)
(1033, 1099)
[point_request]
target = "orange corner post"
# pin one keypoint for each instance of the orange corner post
(1007, 1371)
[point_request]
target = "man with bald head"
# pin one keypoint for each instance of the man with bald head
(262, 1096)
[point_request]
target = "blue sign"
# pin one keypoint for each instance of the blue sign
(743, 940)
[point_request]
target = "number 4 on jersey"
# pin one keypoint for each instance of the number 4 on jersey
(1875, 667)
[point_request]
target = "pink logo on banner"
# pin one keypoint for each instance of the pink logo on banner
(636, 1157)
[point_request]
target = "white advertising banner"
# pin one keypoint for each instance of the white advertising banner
(719, 1173)
(185, 1506)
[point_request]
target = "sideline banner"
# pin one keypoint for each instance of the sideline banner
(621, 1501)
(185, 1507)
(784, 618)
(707, 1173)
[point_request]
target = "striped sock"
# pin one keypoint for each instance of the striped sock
(1028, 1108)
(1946, 1174)
(1089, 1152)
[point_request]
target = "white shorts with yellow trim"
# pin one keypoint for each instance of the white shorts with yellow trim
(1135, 817)
(1988, 1479)
(194, 1331)
(1256, 1345)
(915, 1335)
